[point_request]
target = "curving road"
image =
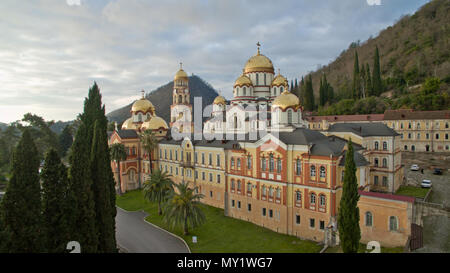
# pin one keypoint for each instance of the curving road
(135, 235)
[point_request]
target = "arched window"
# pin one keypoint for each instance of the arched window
(245, 91)
(264, 190)
(279, 165)
(298, 166)
(289, 116)
(278, 193)
(385, 146)
(376, 145)
(257, 79)
(322, 172)
(131, 175)
(249, 162)
(369, 219)
(271, 163)
(239, 185)
(384, 162)
(232, 162)
(313, 198)
(393, 223)
(239, 163)
(249, 187)
(140, 117)
(270, 192)
(281, 89)
(263, 164)
(313, 171)
(298, 196)
(180, 99)
(322, 200)
(232, 184)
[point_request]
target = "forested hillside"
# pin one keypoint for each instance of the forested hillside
(413, 51)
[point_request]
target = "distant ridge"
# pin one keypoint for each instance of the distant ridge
(161, 98)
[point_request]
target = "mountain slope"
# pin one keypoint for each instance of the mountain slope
(162, 99)
(414, 48)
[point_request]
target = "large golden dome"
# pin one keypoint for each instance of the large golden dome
(258, 63)
(143, 105)
(130, 125)
(280, 80)
(285, 100)
(243, 80)
(219, 100)
(154, 123)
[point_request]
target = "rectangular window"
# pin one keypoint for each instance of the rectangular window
(271, 213)
(375, 180)
(249, 207)
(298, 165)
(264, 211)
(203, 175)
(203, 158)
(239, 204)
(263, 164)
(232, 203)
(279, 165)
(385, 181)
(196, 174)
(322, 225)
(297, 219)
(218, 161)
(312, 223)
(218, 178)
(210, 159)
(210, 177)
(210, 194)
(195, 157)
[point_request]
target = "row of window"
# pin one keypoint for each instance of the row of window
(312, 222)
(427, 136)
(393, 221)
(271, 164)
(384, 181)
(377, 145)
(427, 125)
(376, 162)
(188, 157)
(312, 198)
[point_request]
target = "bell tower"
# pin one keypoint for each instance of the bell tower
(181, 108)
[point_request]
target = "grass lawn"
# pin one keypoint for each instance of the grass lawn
(221, 233)
(412, 191)
(362, 249)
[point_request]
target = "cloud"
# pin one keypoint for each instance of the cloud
(52, 51)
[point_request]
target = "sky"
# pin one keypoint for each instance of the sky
(52, 51)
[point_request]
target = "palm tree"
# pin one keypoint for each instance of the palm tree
(183, 208)
(149, 143)
(118, 154)
(158, 188)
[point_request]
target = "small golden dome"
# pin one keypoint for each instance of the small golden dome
(280, 80)
(258, 63)
(154, 123)
(181, 75)
(129, 125)
(243, 80)
(285, 100)
(143, 105)
(219, 100)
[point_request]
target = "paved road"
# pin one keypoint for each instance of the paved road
(136, 236)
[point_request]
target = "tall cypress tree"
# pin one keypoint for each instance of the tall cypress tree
(83, 221)
(20, 210)
(363, 83)
(376, 77)
(65, 139)
(321, 93)
(309, 95)
(356, 89)
(103, 188)
(369, 87)
(55, 204)
(348, 217)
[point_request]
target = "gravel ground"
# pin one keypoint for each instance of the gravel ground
(436, 230)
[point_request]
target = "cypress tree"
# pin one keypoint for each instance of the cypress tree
(55, 203)
(321, 93)
(104, 190)
(363, 83)
(309, 95)
(369, 87)
(348, 217)
(83, 221)
(20, 210)
(356, 89)
(376, 77)
(65, 140)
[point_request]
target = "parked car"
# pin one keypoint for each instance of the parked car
(426, 183)
(415, 167)
(437, 171)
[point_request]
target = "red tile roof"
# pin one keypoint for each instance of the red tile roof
(339, 118)
(403, 114)
(387, 196)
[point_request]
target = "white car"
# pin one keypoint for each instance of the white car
(426, 183)
(415, 167)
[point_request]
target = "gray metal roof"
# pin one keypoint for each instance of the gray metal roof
(364, 129)
(127, 134)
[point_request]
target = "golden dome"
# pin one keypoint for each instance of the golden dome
(143, 105)
(129, 125)
(280, 80)
(181, 74)
(219, 100)
(154, 123)
(243, 80)
(258, 63)
(285, 100)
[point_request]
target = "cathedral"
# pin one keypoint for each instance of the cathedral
(257, 159)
